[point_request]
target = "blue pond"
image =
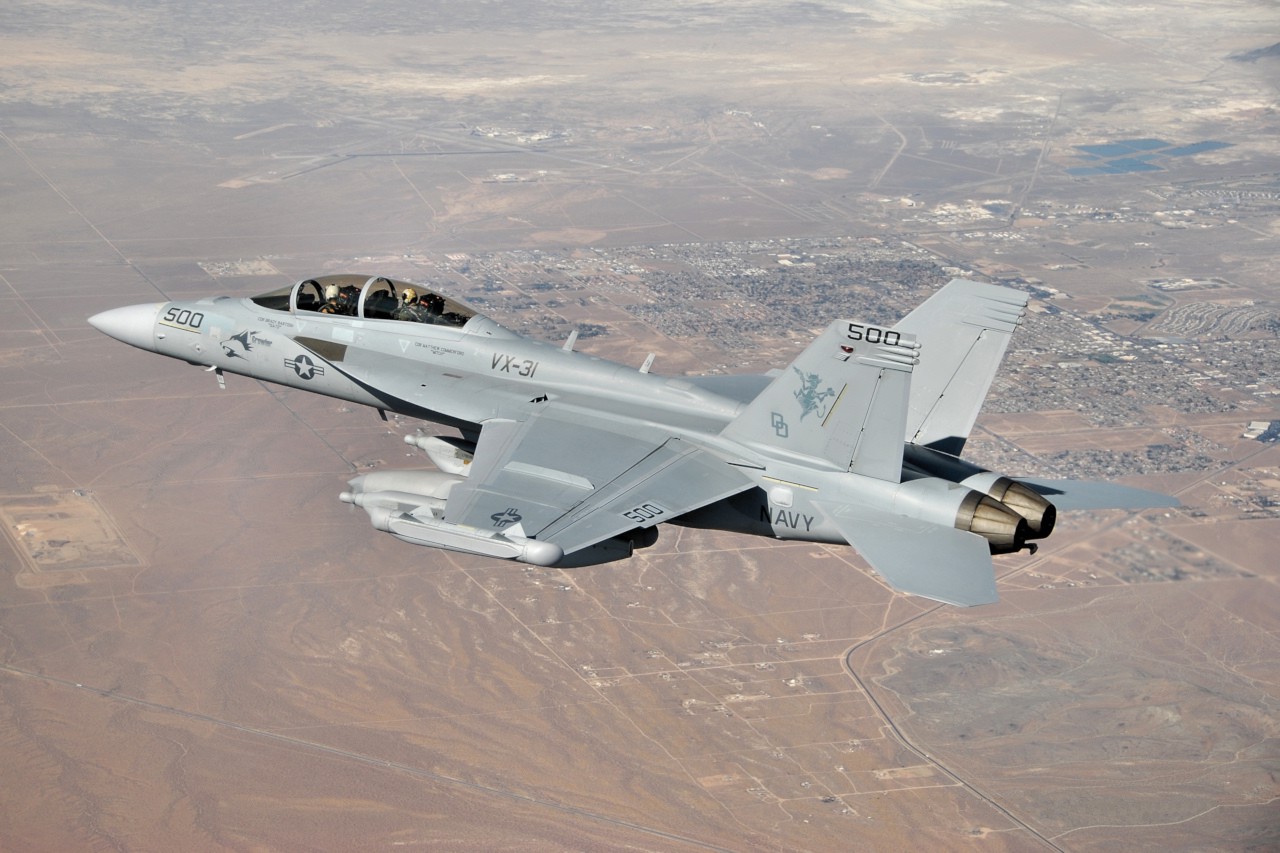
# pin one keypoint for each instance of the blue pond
(1135, 155)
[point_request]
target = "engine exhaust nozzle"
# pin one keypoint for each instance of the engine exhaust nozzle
(1005, 530)
(1031, 505)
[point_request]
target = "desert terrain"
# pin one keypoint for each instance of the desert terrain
(201, 648)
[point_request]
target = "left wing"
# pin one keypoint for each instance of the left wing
(575, 478)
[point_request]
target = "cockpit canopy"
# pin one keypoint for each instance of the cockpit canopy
(370, 298)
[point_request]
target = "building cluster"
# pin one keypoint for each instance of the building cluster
(761, 301)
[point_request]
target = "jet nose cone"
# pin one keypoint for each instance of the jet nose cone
(133, 324)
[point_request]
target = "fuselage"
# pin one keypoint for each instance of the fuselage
(569, 457)
(464, 373)
(459, 375)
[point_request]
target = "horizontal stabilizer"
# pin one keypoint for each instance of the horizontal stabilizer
(918, 557)
(1091, 494)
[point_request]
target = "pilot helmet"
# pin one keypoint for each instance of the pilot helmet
(410, 294)
(331, 292)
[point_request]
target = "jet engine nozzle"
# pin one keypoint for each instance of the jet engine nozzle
(1005, 530)
(1039, 513)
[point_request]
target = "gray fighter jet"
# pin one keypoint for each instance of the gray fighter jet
(567, 459)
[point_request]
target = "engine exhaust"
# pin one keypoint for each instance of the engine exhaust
(1005, 530)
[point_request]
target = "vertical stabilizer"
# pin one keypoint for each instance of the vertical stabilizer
(844, 399)
(964, 329)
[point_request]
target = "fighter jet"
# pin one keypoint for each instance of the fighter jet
(565, 459)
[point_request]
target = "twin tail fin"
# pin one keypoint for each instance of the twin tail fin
(843, 400)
